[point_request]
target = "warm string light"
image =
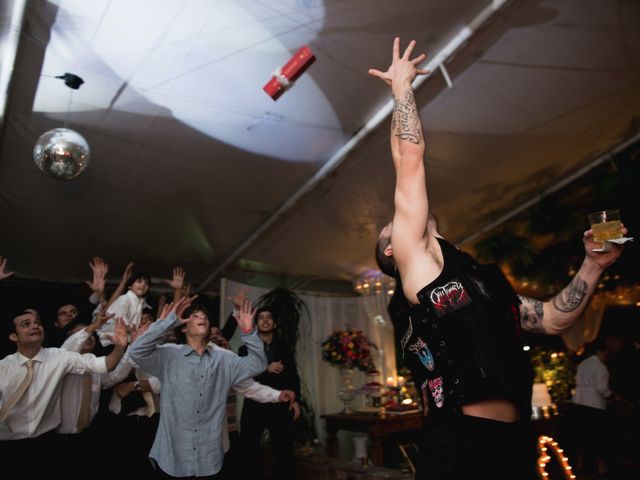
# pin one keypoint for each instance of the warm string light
(544, 444)
(374, 282)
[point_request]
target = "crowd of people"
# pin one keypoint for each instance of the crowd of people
(96, 379)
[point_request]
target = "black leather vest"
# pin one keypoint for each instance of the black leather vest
(462, 341)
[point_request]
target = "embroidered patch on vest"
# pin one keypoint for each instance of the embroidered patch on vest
(425, 398)
(449, 297)
(421, 349)
(437, 391)
(406, 336)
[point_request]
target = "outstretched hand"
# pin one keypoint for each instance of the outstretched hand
(119, 337)
(177, 280)
(99, 268)
(402, 69)
(128, 271)
(178, 307)
(102, 317)
(239, 296)
(606, 258)
(3, 273)
(245, 317)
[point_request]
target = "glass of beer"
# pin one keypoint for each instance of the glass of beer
(605, 225)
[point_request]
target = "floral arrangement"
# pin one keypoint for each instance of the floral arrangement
(349, 349)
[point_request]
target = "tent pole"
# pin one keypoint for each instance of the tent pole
(608, 156)
(447, 51)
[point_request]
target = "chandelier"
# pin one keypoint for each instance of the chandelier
(374, 282)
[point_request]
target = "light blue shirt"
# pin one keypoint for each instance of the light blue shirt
(193, 397)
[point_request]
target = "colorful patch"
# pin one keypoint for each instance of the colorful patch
(425, 398)
(437, 391)
(406, 336)
(449, 298)
(424, 354)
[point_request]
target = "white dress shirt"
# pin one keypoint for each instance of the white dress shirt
(592, 383)
(71, 393)
(127, 306)
(250, 389)
(38, 410)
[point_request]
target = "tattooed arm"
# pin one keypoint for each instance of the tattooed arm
(557, 315)
(407, 148)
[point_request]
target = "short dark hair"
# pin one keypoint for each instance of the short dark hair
(12, 327)
(139, 276)
(181, 337)
(386, 264)
(264, 308)
(196, 307)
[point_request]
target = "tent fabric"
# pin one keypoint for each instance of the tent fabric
(190, 157)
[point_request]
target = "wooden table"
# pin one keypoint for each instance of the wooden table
(376, 426)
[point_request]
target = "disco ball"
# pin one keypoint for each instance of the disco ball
(61, 153)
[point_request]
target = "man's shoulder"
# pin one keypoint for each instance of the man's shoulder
(8, 360)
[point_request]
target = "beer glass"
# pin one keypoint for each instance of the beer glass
(606, 225)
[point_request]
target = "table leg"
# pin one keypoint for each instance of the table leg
(376, 452)
(332, 442)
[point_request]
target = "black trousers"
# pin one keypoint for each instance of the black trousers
(470, 447)
(593, 432)
(278, 419)
(34, 457)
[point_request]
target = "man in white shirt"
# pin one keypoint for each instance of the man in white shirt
(592, 391)
(249, 389)
(30, 384)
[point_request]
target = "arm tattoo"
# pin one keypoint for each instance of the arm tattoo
(572, 296)
(531, 313)
(405, 122)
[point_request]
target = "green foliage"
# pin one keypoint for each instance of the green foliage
(505, 246)
(557, 370)
(288, 310)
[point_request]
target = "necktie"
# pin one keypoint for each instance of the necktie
(6, 408)
(84, 416)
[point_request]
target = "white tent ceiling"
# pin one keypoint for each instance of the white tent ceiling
(192, 164)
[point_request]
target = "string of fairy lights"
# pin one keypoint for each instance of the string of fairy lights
(546, 443)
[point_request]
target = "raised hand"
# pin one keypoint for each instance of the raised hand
(178, 307)
(128, 271)
(239, 296)
(119, 337)
(101, 318)
(402, 69)
(178, 279)
(99, 269)
(3, 273)
(183, 304)
(606, 258)
(245, 317)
